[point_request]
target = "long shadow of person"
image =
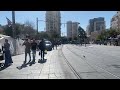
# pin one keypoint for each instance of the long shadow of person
(22, 66)
(3, 67)
(42, 61)
(31, 63)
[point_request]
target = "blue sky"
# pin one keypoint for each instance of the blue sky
(77, 16)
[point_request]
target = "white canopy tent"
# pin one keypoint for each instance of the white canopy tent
(19, 47)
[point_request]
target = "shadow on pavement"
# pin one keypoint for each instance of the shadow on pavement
(116, 66)
(2, 67)
(42, 61)
(31, 63)
(22, 66)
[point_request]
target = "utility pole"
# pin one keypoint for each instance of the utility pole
(118, 22)
(37, 24)
(14, 31)
(13, 23)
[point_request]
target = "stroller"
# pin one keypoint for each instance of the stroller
(1, 58)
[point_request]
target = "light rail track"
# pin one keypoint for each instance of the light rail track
(108, 72)
(70, 66)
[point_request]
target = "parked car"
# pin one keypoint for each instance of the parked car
(48, 45)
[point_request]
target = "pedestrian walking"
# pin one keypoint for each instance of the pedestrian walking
(27, 50)
(56, 44)
(6, 50)
(33, 48)
(42, 48)
(53, 44)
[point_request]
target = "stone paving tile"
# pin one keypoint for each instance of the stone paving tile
(36, 77)
(15, 77)
(35, 71)
(44, 76)
(7, 77)
(30, 77)
(46, 70)
(53, 78)
(52, 75)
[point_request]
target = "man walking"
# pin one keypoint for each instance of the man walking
(34, 48)
(42, 48)
(53, 44)
(56, 44)
(27, 50)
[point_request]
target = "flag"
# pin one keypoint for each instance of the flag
(9, 22)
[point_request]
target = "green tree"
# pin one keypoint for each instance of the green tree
(107, 34)
(82, 34)
(8, 30)
(42, 35)
(75, 38)
(18, 29)
(53, 35)
(28, 28)
(112, 33)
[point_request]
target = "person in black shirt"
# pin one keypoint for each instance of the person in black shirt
(34, 48)
(42, 48)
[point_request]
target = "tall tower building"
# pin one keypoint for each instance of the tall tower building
(69, 29)
(74, 30)
(53, 21)
(87, 30)
(115, 21)
(96, 24)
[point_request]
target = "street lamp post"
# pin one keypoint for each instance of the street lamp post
(13, 23)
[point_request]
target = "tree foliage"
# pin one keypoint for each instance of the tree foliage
(42, 35)
(108, 33)
(53, 35)
(8, 30)
(82, 33)
(20, 29)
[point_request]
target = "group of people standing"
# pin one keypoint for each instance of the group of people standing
(33, 46)
(55, 44)
(30, 45)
